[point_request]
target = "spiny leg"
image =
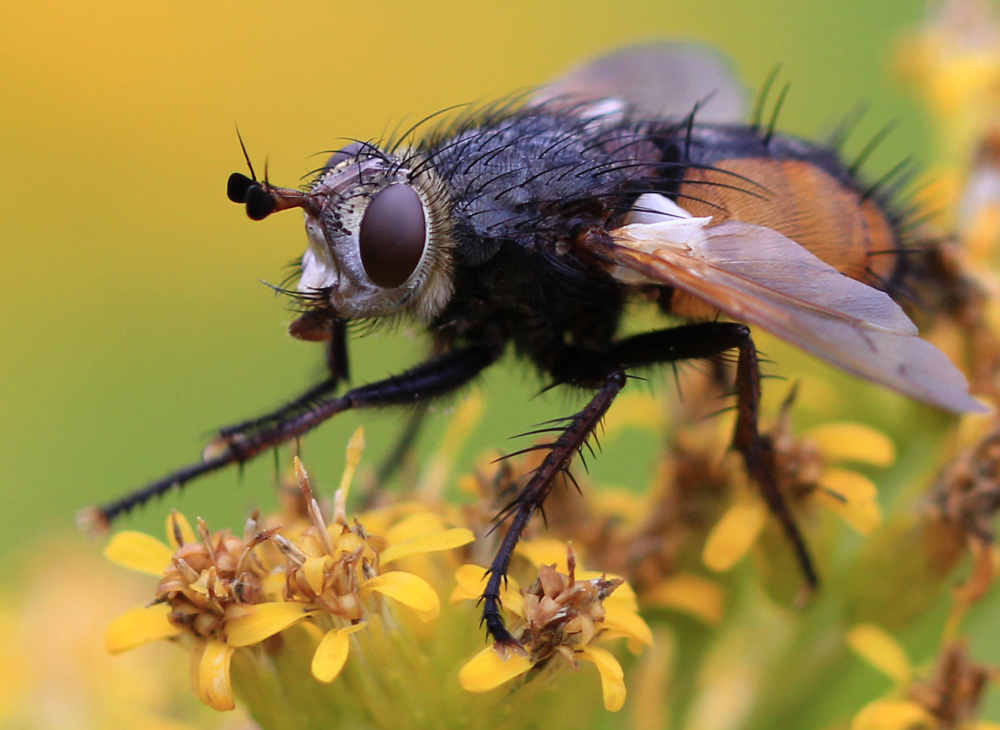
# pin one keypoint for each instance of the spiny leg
(747, 440)
(434, 378)
(687, 342)
(705, 340)
(531, 498)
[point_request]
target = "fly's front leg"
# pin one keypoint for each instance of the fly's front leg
(430, 380)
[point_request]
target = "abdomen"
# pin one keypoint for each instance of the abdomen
(800, 190)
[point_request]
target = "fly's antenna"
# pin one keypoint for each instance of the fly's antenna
(246, 155)
(261, 198)
(765, 91)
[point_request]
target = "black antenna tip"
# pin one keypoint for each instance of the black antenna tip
(260, 203)
(239, 186)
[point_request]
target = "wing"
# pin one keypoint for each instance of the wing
(758, 276)
(658, 79)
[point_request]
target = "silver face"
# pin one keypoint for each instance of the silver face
(379, 238)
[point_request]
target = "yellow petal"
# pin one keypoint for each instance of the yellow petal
(331, 654)
(880, 650)
(893, 715)
(472, 582)
(420, 522)
(850, 485)
(864, 516)
(314, 570)
(733, 535)
(546, 551)
(486, 670)
(627, 623)
(138, 551)
(434, 542)
(408, 589)
(265, 620)
(177, 521)
(139, 626)
(612, 676)
(845, 441)
(355, 447)
(700, 597)
(210, 674)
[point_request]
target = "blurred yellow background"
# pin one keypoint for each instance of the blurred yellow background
(133, 318)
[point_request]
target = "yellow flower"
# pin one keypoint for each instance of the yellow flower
(205, 598)
(805, 475)
(558, 618)
(950, 698)
(336, 573)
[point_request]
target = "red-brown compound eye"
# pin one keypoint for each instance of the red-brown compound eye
(392, 236)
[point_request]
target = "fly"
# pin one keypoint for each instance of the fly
(531, 227)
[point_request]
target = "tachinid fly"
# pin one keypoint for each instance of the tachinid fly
(532, 226)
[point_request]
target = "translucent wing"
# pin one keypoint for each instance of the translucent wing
(659, 79)
(758, 276)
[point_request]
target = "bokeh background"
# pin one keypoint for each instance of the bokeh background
(132, 317)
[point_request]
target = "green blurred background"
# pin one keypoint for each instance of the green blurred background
(133, 318)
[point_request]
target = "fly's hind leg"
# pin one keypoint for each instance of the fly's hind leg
(747, 440)
(688, 342)
(532, 497)
(704, 340)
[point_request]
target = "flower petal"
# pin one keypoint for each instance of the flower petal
(893, 715)
(880, 650)
(408, 589)
(846, 441)
(178, 523)
(546, 551)
(612, 675)
(486, 670)
(355, 448)
(733, 535)
(627, 623)
(331, 654)
(850, 485)
(265, 620)
(472, 582)
(434, 542)
(210, 674)
(314, 570)
(139, 626)
(863, 515)
(700, 597)
(138, 551)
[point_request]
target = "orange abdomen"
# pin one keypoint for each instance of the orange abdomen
(803, 202)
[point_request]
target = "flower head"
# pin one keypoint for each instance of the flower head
(559, 617)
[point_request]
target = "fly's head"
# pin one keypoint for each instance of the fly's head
(379, 236)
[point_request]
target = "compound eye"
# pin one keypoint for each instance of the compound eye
(351, 150)
(392, 236)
